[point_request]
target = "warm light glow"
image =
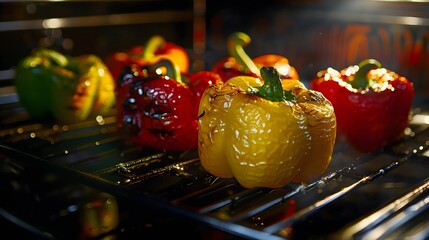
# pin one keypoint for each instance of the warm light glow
(53, 23)
(420, 119)
(417, 1)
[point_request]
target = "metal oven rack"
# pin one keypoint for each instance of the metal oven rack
(45, 168)
(360, 196)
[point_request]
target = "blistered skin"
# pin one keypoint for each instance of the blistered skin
(260, 152)
(211, 129)
(89, 93)
(322, 127)
(263, 143)
(369, 118)
(162, 111)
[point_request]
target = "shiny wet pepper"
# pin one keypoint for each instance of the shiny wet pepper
(265, 133)
(69, 89)
(372, 104)
(157, 108)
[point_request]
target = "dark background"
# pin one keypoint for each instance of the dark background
(313, 35)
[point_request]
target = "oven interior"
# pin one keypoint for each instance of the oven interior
(88, 181)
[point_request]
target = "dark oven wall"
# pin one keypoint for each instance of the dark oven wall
(312, 34)
(64, 179)
(315, 35)
(86, 27)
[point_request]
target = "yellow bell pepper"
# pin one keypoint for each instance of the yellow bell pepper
(265, 133)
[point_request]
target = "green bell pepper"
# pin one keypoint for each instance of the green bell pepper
(68, 89)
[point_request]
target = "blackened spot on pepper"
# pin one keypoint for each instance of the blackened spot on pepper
(130, 127)
(202, 114)
(130, 104)
(126, 75)
(162, 133)
(156, 111)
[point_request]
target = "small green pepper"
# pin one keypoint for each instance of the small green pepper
(68, 89)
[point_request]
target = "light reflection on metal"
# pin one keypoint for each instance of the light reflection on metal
(314, 207)
(379, 221)
(8, 95)
(101, 20)
(420, 119)
(404, 1)
(368, 18)
(7, 74)
(53, 23)
(389, 226)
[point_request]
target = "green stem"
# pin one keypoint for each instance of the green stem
(272, 88)
(173, 70)
(152, 45)
(236, 42)
(361, 80)
(55, 57)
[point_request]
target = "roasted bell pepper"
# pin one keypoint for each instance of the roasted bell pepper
(159, 108)
(200, 81)
(239, 63)
(152, 51)
(98, 215)
(69, 89)
(265, 132)
(372, 103)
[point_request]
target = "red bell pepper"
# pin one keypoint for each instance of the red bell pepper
(156, 48)
(239, 63)
(200, 81)
(160, 108)
(372, 104)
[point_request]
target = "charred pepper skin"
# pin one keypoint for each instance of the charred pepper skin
(161, 111)
(265, 133)
(155, 49)
(372, 103)
(164, 113)
(67, 89)
(240, 64)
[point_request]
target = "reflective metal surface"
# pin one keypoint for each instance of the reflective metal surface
(87, 181)
(360, 196)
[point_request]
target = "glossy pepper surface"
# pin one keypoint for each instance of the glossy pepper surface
(159, 108)
(69, 89)
(265, 133)
(239, 63)
(155, 49)
(98, 214)
(372, 103)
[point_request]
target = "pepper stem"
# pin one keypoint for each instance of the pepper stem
(153, 44)
(361, 80)
(56, 57)
(272, 88)
(171, 70)
(236, 42)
